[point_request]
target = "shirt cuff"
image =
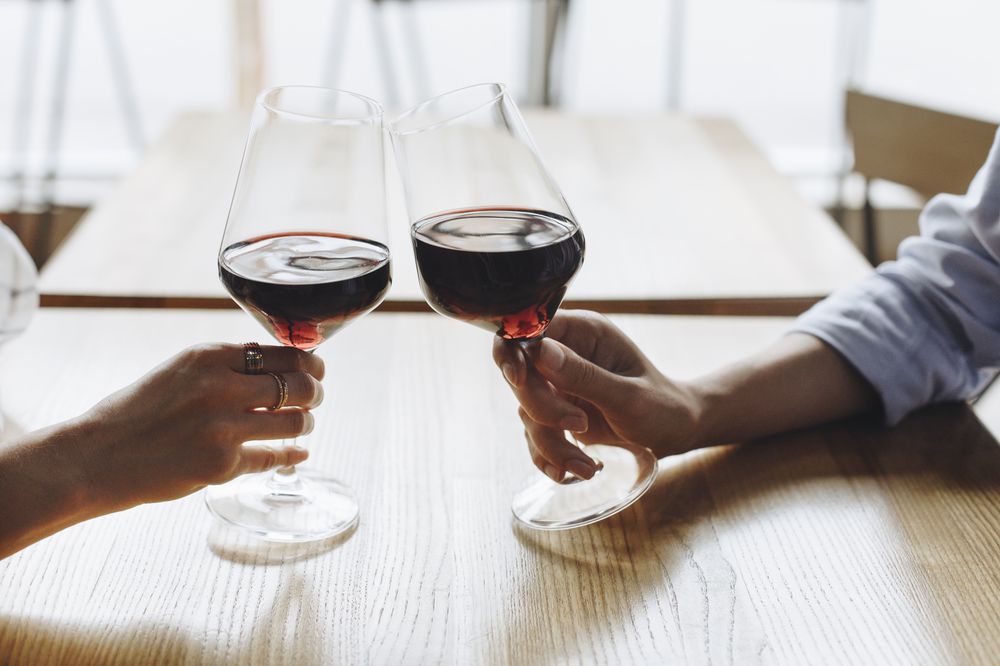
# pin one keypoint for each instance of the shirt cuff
(883, 332)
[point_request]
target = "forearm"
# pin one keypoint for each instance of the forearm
(799, 381)
(43, 489)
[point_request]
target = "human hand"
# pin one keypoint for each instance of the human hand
(588, 377)
(184, 424)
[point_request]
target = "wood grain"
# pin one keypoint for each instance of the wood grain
(844, 544)
(674, 209)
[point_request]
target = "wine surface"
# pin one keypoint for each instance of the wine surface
(505, 270)
(304, 287)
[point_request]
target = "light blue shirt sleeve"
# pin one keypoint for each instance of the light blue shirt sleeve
(926, 328)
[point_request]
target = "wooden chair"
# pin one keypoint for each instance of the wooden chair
(929, 151)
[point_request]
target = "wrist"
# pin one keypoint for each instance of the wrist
(702, 406)
(679, 427)
(79, 455)
(83, 461)
(43, 486)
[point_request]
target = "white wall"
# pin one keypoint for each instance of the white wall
(775, 65)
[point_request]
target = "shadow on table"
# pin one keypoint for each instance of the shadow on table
(284, 632)
(939, 461)
(232, 544)
(35, 641)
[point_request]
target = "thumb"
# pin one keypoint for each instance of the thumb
(570, 373)
(261, 457)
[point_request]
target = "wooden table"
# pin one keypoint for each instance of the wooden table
(681, 215)
(847, 544)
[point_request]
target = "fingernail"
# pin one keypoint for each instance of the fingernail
(509, 373)
(553, 473)
(580, 468)
(551, 355)
(574, 423)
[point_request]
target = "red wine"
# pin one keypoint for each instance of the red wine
(304, 287)
(505, 270)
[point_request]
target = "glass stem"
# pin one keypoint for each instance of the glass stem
(285, 480)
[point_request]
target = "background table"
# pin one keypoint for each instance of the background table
(847, 543)
(680, 214)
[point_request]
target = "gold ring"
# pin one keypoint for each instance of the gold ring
(282, 391)
(253, 358)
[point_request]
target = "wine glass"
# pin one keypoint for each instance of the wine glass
(496, 246)
(305, 253)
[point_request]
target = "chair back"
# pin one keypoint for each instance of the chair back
(929, 151)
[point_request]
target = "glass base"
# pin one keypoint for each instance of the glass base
(626, 474)
(288, 507)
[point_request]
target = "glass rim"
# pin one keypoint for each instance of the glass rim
(376, 112)
(393, 125)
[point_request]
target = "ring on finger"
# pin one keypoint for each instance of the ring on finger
(279, 379)
(253, 358)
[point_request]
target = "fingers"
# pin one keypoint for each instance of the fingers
(598, 430)
(258, 457)
(571, 374)
(262, 457)
(584, 356)
(510, 358)
(549, 447)
(547, 406)
(540, 461)
(282, 424)
(580, 329)
(262, 390)
(595, 338)
(564, 321)
(277, 359)
(537, 397)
